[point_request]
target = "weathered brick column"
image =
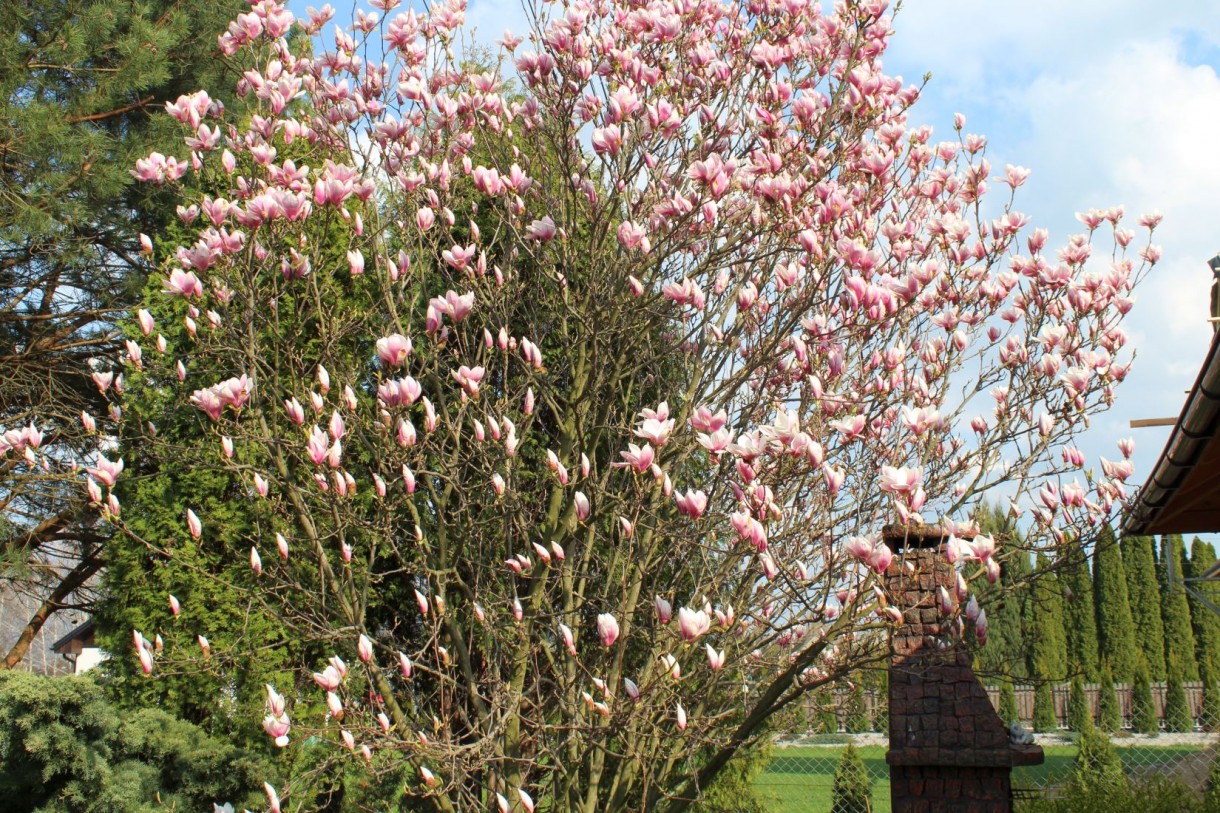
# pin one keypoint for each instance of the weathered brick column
(949, 750)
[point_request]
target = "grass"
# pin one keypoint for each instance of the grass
(799, 778)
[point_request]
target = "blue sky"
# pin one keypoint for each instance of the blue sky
(1108, 102)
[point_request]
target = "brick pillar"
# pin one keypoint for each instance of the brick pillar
(949, 750)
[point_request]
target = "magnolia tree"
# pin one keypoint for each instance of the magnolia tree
(566, 393)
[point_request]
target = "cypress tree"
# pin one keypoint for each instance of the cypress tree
(1204, 620)
(1007, 652)
(1008, 704)
(1211, 700)
(1109, 718)
(1143, 707)
(1045, 615)
(1116, 632)
(1080, 617)
(1175, 611)
(1045, 718)
(852, 789)
(1097, 765)
(1177, 713)
(1080, 716)
(857, 713)
(1144, 598)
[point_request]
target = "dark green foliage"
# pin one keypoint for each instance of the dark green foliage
(1080, 716)
(1097, 765)
(1044, 613)
(83, 84)
(1211, 697)
(1007, 650)
(1080, 615)
(1211, 797)
(1204, 620)
(857, 720)
(1045, 718)
(1115, 630)
(1175, 611)
(65, 749)
(1109, 717)
(852, 787)
(1144, 597)
(1008, 703)
(1143, 707)
(1177, 712)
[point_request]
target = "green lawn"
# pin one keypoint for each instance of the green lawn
(799, 778)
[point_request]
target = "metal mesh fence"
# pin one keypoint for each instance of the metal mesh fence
(1178, 739)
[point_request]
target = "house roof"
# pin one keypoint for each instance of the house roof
(1182, 495)
(77, 632)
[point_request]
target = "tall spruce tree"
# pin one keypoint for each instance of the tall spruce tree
(1116, 633)
(83, 88)
(1144, 598)
(1175, 610)
(1080, 616)
(1044, 613)
(1204, 619)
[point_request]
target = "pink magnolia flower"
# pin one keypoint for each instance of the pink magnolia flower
(665, 610)
(693, 623)
(106, 471)
(693, 503)
(581, 503)
(364, 649)
(393, 349)
(542, 230)
(880, 557)
(900, 480)
(193, 524)
(183, 283)
(607, 629)
(565, 632)
(638, 458)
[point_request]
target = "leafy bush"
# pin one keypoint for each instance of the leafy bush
(1159, 794)
(65, 749)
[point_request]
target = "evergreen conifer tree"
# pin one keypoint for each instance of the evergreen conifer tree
(852, 789)
(1175, 611)
(83, 88)
(1045, 718)
(1144, 598)
(1177, 712)
(1007, 650)
(1211, 697)
(1080, 716)
(1097, 767)
(1080, 616)
(1008, 703)
(1143, 707)
(857, 712)
(1045, 614)
(1204, 620)
(1109, 718)
(1115, 630)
